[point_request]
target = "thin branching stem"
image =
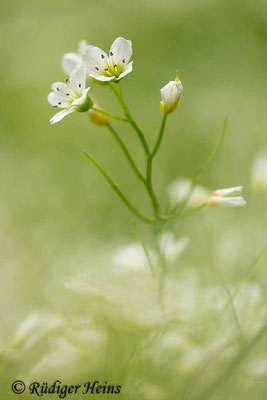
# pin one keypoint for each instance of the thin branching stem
(204, 166)
(126, 111)
(127, 153)
(229, 371)
(149, 159)
(184, 214)
(108, 114)
(150, 189)
(140, 238)
(149, 167)
(117, 190)
(160, 135)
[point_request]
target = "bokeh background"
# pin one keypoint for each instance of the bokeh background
(58, 216)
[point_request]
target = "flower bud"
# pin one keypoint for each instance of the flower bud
(171, 95)
(98, 118)
(227, 198)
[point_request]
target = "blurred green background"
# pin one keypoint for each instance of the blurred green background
(58, 216)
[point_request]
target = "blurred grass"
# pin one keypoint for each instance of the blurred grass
(57, 214)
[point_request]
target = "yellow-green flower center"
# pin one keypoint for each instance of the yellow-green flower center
(113, 70)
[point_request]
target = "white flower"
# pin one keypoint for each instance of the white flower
(170, 95)
(170, 247)
(72, 96)
(71, 60)
(34, 327)
(259, 172)
(110, 67)
(133, 258)
(227, 197)
(60, 354)
(179, 191)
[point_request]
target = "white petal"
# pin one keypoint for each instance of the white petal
(171, 92)
(218, 201)
(59, 100)
(70, 62)
(78, 78)
(121, 50)
(94, 57)
(233, 191)
(102, 78)
(81, 99)
(61, 114)
(132, 258)
(171, 247)
(127, 70)
(64, 89)
(82, 46)
(166, 91)
(170, 95)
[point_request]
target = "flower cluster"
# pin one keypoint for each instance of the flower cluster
(186, 196)
(94, 63)
(90, 62)
(135, 258)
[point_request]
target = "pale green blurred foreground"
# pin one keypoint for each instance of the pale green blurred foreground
(61, 221)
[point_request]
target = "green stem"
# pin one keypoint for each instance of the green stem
(149, 155)
(139, 237)
(126, 110)
(119, 193)
(149, 187)
(160, 135)
(228, 372)
(108, 114)
(161, 282)
(126, 152)
(186, 213)
(149, 166)
(204, 166)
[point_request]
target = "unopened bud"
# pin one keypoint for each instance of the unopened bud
(171, 95)
(98, 118)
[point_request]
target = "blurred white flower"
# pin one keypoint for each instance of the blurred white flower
(179, 191)
(227, 197)
(126, 296)
(62, 355)
(71, 60)
(171, 247)
(84, 284)
(250, 305)
(110, 67)
(181, 297)
(171, 95)
(33, 328)
(72, 96)
(132, 258)
(258, 368)
(259, 172)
